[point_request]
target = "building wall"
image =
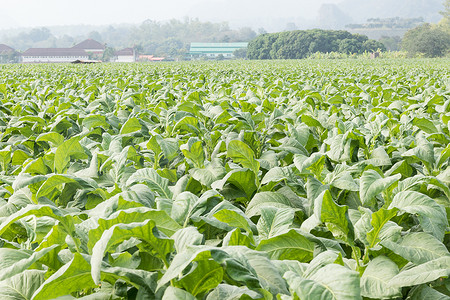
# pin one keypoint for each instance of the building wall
(125, 58)
(52, 59)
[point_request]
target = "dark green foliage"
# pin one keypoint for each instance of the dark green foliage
(300, 44)
(427, 39)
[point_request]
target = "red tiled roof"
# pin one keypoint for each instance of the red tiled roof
(89, 44)
(5, 49)
(125, 52)
(54, 52)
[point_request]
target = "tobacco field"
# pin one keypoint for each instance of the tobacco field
(226, 180)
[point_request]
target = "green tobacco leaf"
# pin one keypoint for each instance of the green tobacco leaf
(206, 275)
(239, 152)
(53, 137)
(40, 211)
(212, 172)
(56, 181)
(418, 247)
(196, 154)
(172, 293)
(424, 292)
(269, 199)
(243, 179)
(72, 277)
(425, 124)
(231, 292)
(372, 184)
(234, 219)
(130, 126)
(67, 150)
(163, 222)
(335, 217)
(95, 121)
(237, 238)
(376, 278)
(21, 286)
(432, 216)
(13, 262)
(115, 235)
(187, 237)
(379, 219)
(330, 282)
(274, 221)
(288, 246)
(423, 273)
(156, 183)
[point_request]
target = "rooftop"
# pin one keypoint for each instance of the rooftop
(54, 52)
(89, 44)
(126, 52)
(6, 49)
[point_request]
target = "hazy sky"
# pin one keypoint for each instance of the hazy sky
(27, 13)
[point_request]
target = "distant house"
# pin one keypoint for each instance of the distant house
(125, 55)
(91, 46)
(213, 50)
(7, 54)
(53, 55)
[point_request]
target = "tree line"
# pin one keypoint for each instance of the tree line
(300, 44)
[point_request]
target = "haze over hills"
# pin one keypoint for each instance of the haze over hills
(361, 10)
(268, 14)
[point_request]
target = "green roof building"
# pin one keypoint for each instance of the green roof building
(213, 50)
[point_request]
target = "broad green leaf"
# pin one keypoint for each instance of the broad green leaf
(72, 277)
(130, 126)
(423, 273)
(376, 278)
(372, 184)
(432, 216)
(234, 219)
(115, 235)
(212, 172)
(187, 237)
(150, 177)
(274, 221)
(240, 153)
(243, 179)
(53, 137)
(269, 199)
(379, 219)
(424, 292)
(231, 292)
(95, 121)
(69, 149)
(425, 124)
(330, 282)
(196, 154)
(173, 293)
(335, 217)
(163, 222)
(21, 286)
(206, 275)
(13, 262)
(418, 247)
(288, 246)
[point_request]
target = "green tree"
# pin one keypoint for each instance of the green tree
(432, 41)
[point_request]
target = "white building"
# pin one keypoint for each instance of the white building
(125, 55)
(53, 55)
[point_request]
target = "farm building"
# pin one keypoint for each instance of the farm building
(7, 54)
(213, 50)
(53, 55)
(125, 55)
(91, 46)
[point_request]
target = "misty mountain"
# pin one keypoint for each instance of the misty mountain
(361, 10)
